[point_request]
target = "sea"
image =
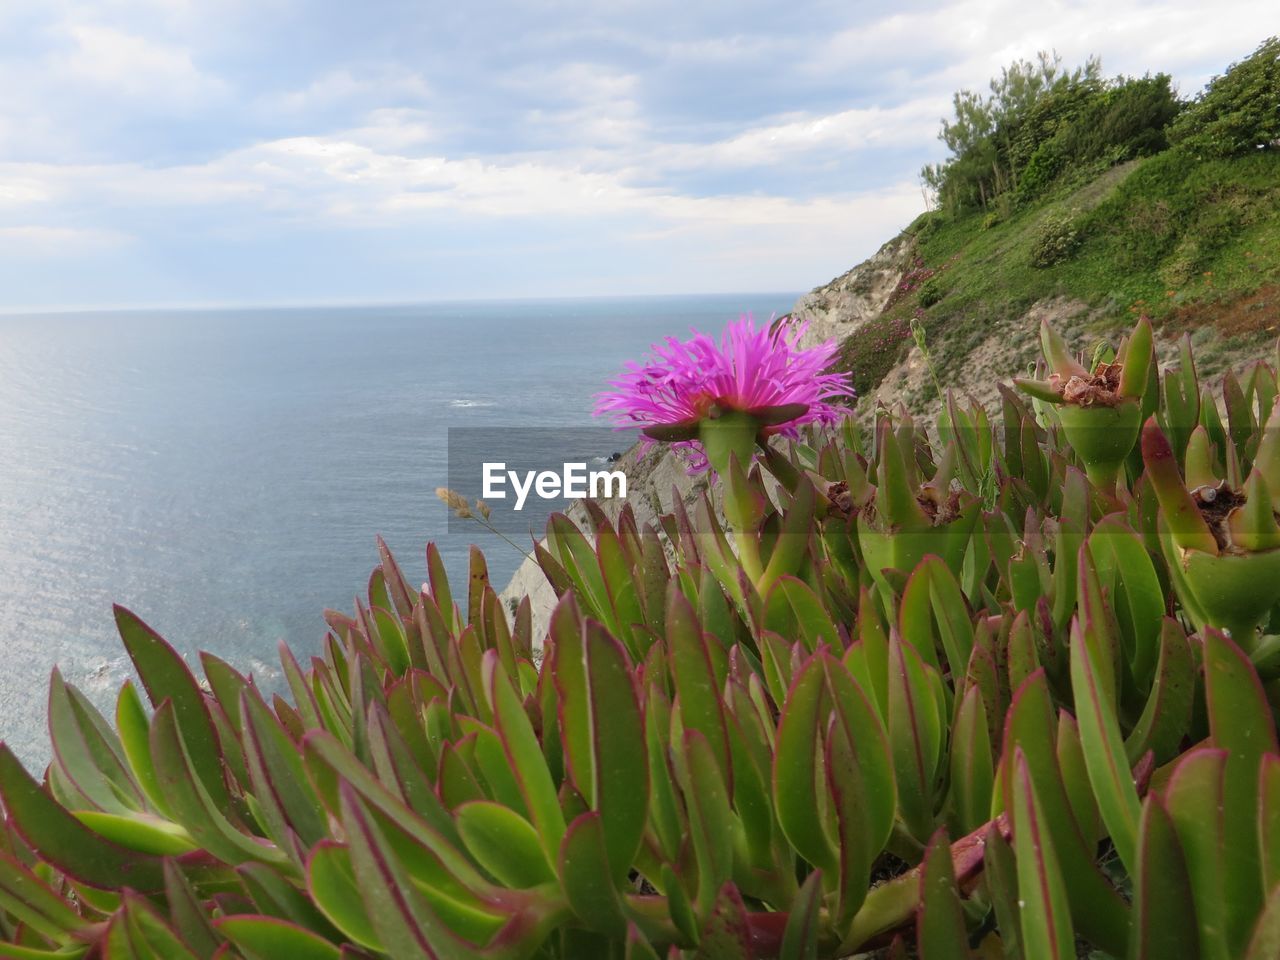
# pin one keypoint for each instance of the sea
(224, 473)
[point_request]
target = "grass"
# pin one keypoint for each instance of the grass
(1193, 244)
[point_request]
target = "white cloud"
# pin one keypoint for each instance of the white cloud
(397, 128)
(17, 191)
(589, 104)
(963, 44)
(133, 65)
(384, 83)
(782, 141)
(341, 182)
(340, 178)
(49, 241)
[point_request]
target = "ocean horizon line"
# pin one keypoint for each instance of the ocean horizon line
(239, 306)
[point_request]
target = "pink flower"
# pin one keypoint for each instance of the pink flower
(758, 371)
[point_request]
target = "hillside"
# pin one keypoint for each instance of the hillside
(1087, 201)
(1194, 244)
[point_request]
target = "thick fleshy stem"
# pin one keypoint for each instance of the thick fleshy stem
(732, 432)
(729, 441)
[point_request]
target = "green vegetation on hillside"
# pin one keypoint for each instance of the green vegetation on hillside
(1189, 235)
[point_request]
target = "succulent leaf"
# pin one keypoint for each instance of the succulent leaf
(1103, 748)
(1060, 359)
(266, 938)
(65, 842)
(1046, 917)
(165, 676)
(1185, 523)
(1164, 919)
(1194, 798)
(1138, 359)
(941, 932)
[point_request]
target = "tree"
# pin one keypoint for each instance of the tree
(1237, 112)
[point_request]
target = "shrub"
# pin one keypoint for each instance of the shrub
(1040, 124)
(931, 291)
(1238, 112)
(976, 682)
(1126, 120)
(1056, 237)
(1042, 169)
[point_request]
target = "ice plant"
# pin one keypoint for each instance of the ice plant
(902, 719)
(1100, 409)
(909, 516)
(721, 399)
(1220, 536)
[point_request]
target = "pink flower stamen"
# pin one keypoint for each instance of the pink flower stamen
(751, 369)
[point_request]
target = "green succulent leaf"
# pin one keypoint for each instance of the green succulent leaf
(586, 876)
(941, 933)
(525, 756)
(1046, 930)
(141, 832)
(1104, 754)
(793, 538)
(166, 677)
(795, 610)
(1164, 912)
(915, 736)
(1056, 353)
(278, 775)
(1045, 390)
(1265, 942)
(800, 938)
(726, 934)
(1167, 715)
(1240, 723)
(188, 912)
(269, 938)
(405, 925)
(88, 752)
(137, 931)
(64, 841)
(1138, 360)
(1001, 874)
(795, 769)
(191, 803)
(504, 843)
(1194, 798)
(1185, 523)
(933, 606)
(331, 881)
(860, 778)
(1096, 906)
(711, 822)
(1269, 820)
(972, 771)
(32, 902)
(1075, 778)
(697, 685)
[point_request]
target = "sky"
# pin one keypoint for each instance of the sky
(166, 152)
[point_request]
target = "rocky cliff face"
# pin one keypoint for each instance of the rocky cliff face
(838, 308)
